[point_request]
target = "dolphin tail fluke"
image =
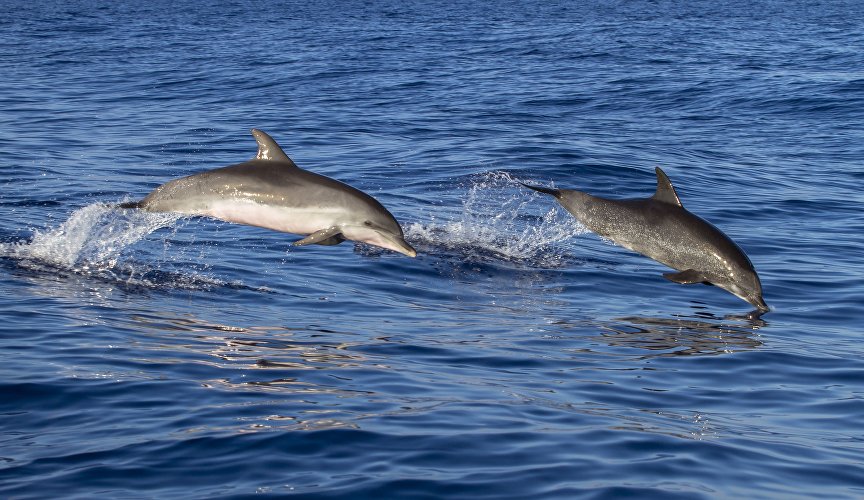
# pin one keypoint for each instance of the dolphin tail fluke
(130, 204)
(554, 192)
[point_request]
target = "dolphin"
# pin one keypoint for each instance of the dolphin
(272, 192)
(661, 228)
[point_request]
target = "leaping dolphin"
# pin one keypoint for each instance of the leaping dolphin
(662, 229)
(272, 192)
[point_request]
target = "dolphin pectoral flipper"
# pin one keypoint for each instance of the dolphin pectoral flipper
(333, 240)
(328, 236)
(687, 277)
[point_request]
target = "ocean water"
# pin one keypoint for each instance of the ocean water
(518, 356)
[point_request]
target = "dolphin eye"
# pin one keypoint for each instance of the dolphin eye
(368, 223)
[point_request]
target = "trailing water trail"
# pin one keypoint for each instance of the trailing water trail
(94, 241)
(93, 238)
(499, 221)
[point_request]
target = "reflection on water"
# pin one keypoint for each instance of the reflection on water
(700, 334)
(255, 347)
(286, 378)
(673, 422)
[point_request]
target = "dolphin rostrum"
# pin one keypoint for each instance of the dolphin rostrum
(272, 192)
(661, 229)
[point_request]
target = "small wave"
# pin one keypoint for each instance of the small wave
(93, 243)
(501, 221)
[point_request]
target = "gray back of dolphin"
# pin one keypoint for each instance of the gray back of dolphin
(271, 191)
(661, 229)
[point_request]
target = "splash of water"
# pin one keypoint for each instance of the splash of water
(93, 238)
(92, 243)
(500, 221)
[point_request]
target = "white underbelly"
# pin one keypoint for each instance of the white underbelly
(285, 219)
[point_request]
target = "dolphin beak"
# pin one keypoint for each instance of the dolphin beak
(393, 242)
(402, 246)
(759, 303)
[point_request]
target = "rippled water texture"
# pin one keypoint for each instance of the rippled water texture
(518, 356)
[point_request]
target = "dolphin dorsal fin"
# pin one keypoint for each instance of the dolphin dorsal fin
(665, 191)
(268, 149)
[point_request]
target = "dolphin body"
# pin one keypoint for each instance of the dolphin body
(662, 229)
(272, 192)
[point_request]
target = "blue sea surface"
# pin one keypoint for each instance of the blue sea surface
(518, 355)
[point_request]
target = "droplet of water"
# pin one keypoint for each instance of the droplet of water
(93, 237)
(499, 220)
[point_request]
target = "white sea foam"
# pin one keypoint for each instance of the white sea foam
(94, 242)
(501, 220)
(93, 238)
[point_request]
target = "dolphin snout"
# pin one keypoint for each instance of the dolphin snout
(759, 302)
(402, 246)
(382, 238)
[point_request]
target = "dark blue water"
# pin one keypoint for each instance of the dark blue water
(518, 356)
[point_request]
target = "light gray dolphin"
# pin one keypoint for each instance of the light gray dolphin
(272, 192)
(661, 229)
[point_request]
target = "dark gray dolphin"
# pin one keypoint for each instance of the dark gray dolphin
(661, 229)
(272, 192)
